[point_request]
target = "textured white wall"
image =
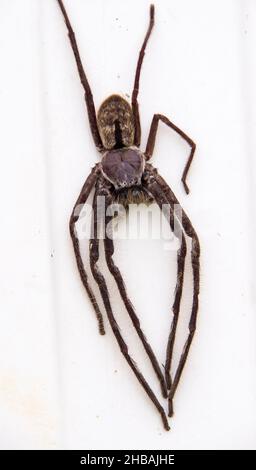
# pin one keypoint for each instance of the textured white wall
(61, 384)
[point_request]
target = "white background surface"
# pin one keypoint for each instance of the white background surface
(61, 384)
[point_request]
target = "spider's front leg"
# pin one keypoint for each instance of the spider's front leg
(181, 256)
(82, 198)
(157, 187)
(109, 252)
(98, 276)
(152, 138)
(161, 200)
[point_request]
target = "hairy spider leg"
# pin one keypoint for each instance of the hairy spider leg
(181, 256)
(135, 104)
(98, 276)
(83, 196)
(152, 138)
(153, 184)
(88, 93)
(109, 251)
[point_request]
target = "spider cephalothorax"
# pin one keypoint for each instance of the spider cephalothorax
(124, 176)
(124, 168)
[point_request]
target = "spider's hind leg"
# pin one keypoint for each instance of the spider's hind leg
(136, 86)
(152, 138)
(88, 93)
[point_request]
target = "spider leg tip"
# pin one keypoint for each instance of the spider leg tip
(187, 190)
(152, 11)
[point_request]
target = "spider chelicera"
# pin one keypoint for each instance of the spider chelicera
(124, 175)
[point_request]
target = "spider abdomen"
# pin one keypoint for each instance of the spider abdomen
(116, 123)
(123, 167)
